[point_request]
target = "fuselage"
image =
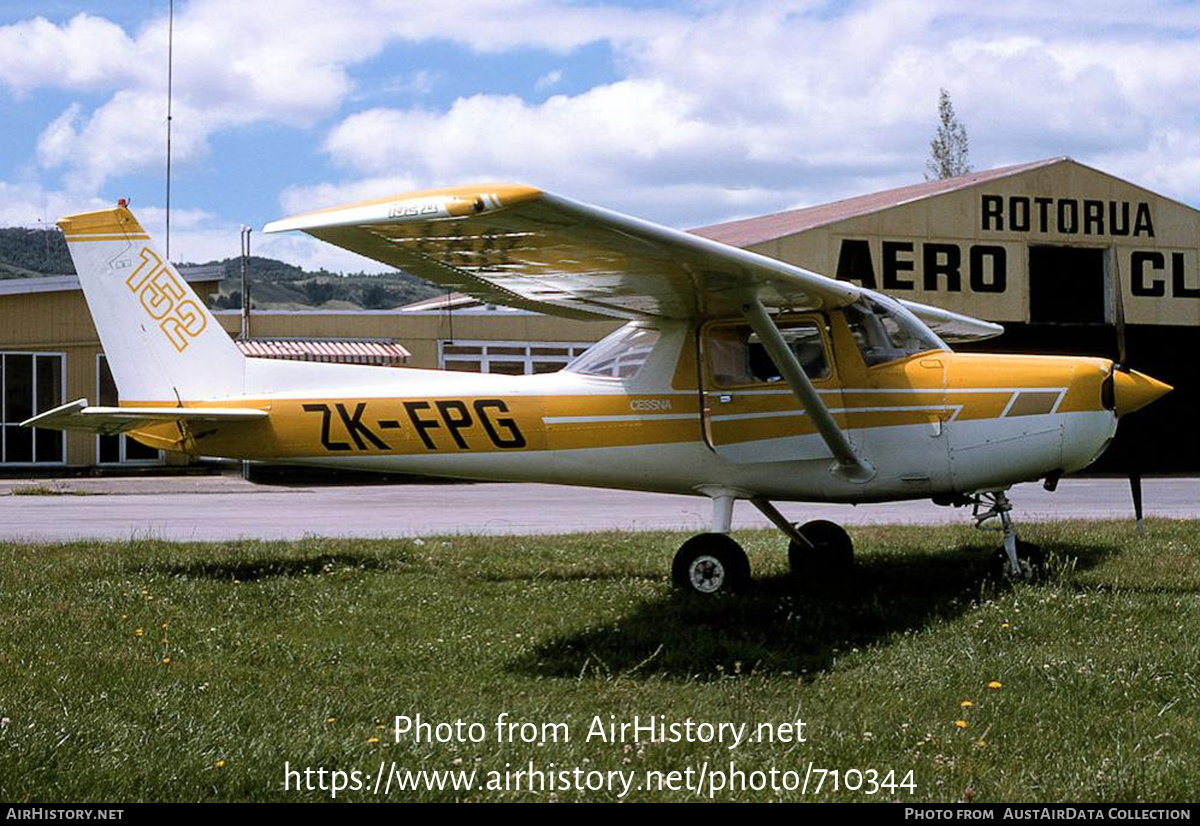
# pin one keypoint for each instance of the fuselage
(930, 423)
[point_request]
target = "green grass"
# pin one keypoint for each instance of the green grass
(305, 651)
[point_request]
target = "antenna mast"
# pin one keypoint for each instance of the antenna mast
(170, 78)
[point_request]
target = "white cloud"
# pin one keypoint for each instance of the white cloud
(27, 204)
(631, 122)
(419, 83)
(491, 26)
(310, 254)
(234, 64)
(242, 63)
(548, 80)
(720, 109)
(198, 236)
(85, 53)
(798, 107)
(56, 141)
(127, 134)
(297, 199)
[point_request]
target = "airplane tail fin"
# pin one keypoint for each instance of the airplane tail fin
(161, 341)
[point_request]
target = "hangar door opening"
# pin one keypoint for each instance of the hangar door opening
(1067, 285)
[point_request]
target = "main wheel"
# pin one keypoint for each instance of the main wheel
(710, 563)
(1030, 557)
(830, 557)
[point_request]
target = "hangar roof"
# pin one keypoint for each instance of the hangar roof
(66, 283)
(751, 231)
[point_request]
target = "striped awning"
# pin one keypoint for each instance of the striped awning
(382, 351)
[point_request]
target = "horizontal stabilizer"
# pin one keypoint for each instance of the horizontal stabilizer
(77, 415)
(950, 327)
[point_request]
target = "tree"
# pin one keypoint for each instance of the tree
(376, 297)
(318, 292)
(949, 152)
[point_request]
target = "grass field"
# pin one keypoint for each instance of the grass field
(169, 672)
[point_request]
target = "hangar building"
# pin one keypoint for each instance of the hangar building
(1037, 247)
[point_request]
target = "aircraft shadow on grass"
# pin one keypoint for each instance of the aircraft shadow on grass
(252, 570)
(779, 627)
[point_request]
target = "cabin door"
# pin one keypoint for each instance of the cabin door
(750, 413)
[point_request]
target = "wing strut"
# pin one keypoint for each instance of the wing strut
(848, 466)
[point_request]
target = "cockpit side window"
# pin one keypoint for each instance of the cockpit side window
(885, 331)
(619, 356)
(737, 357)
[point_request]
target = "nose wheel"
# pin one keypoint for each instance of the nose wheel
(1030, 567)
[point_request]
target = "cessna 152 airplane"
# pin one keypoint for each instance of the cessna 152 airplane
(737, 377)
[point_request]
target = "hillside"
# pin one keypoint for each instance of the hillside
(274, 285)
(28, 253)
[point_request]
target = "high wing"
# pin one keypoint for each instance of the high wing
(77, 415)
(522, 247)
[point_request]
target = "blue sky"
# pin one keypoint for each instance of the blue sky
(680, 112)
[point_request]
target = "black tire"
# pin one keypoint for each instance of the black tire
(710, 563)
(1031, 558)
(830, 557)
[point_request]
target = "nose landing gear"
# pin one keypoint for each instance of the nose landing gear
(1017, 559)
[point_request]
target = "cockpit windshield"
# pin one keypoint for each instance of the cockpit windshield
(619, 356)
(886, 331)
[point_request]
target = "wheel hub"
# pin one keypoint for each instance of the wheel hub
(707, 574)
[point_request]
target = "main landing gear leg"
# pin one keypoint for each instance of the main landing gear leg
(1018, 559)
(712, 563)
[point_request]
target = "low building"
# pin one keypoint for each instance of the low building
(49, 355)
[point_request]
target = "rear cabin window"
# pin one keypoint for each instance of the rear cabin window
(737, 356)
(619, 356)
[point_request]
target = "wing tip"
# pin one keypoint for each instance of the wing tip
(447, 202)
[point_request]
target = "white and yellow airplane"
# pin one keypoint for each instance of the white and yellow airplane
(737, 377)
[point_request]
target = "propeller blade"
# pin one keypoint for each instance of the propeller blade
(1130, 378)
(1135, 487)
(1118, 309)
(1133, 462)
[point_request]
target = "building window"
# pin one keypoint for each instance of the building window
(508, 357)
(117, 448)
(30, 384)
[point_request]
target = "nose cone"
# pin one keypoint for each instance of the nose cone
(1133, 390)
